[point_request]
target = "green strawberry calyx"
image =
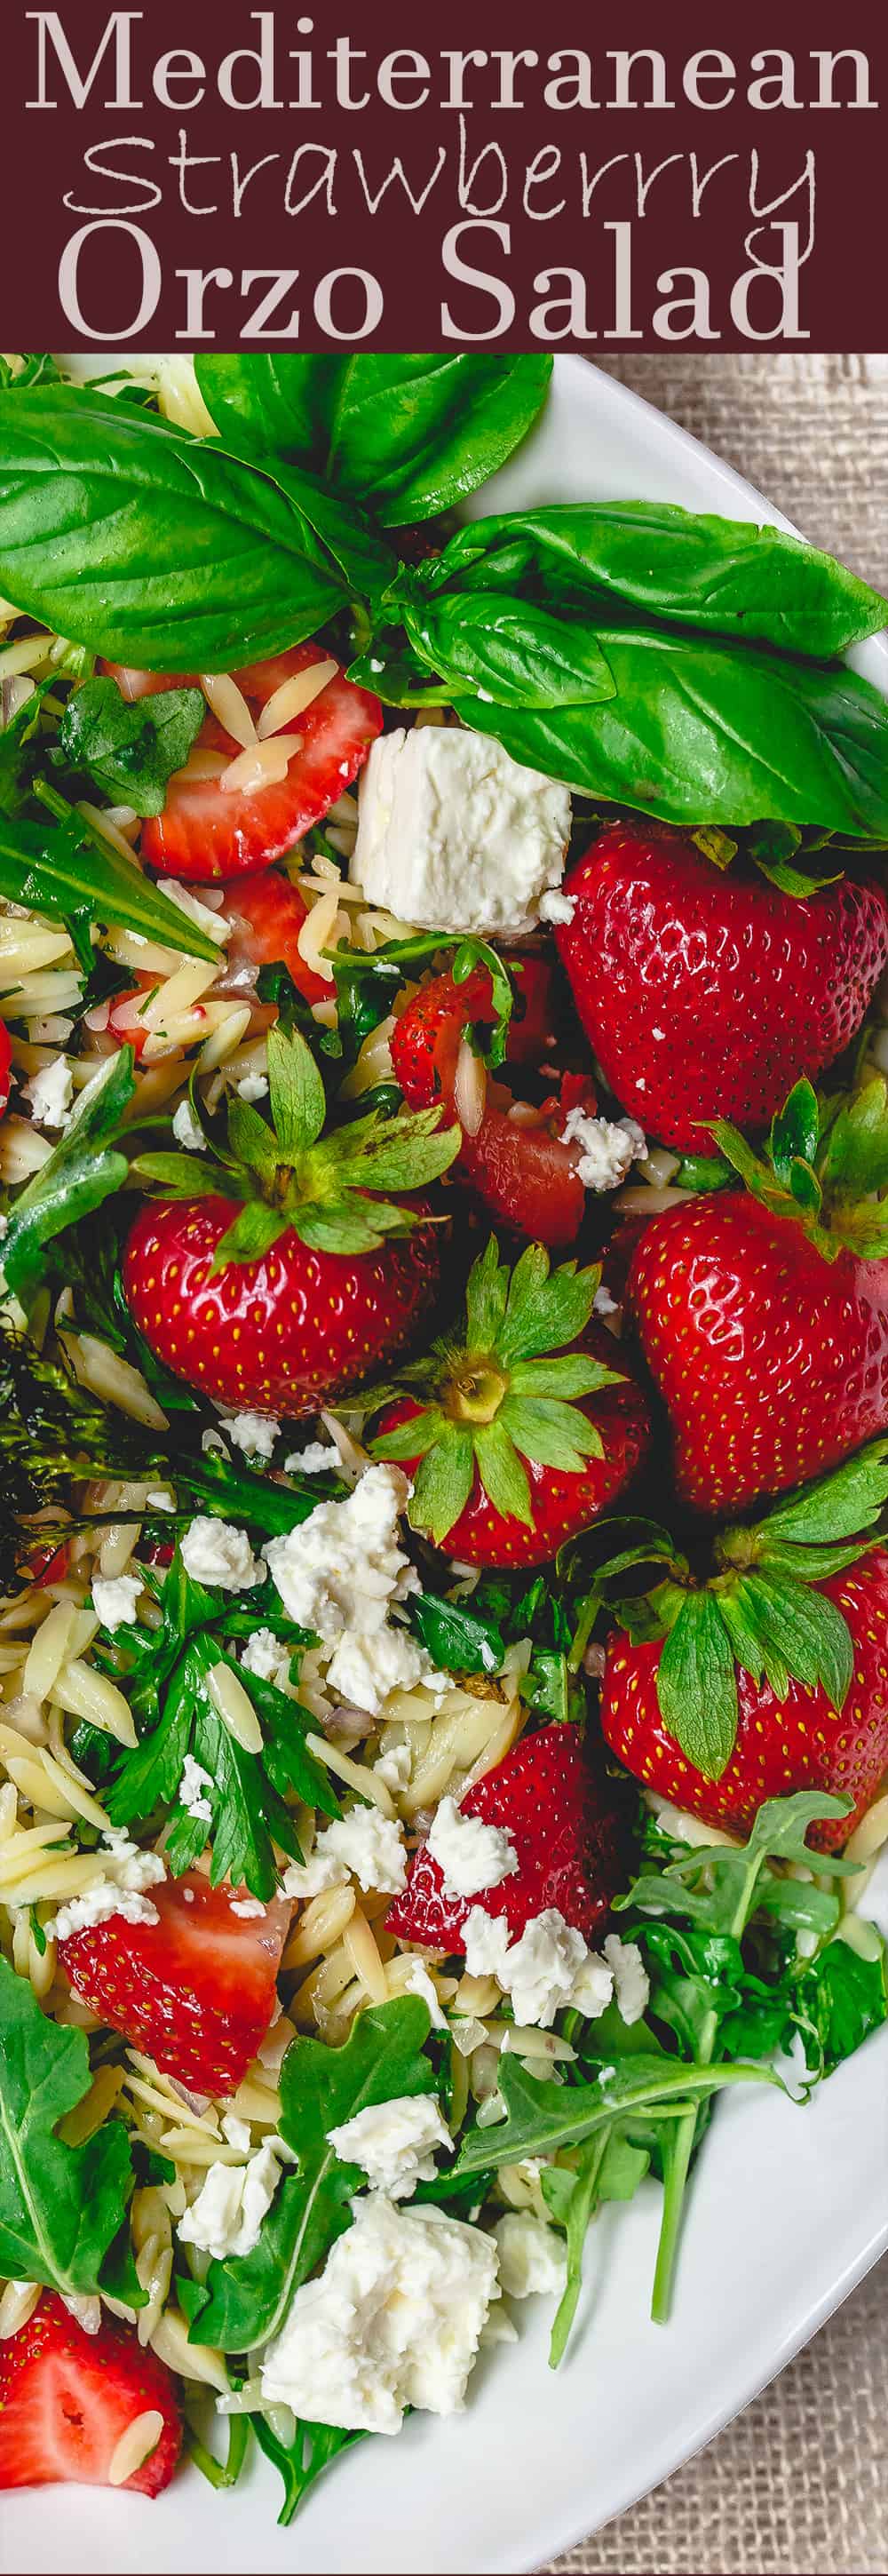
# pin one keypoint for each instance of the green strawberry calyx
(759, 1610)
(503, 1387)
(825, 1165)
(292, 1176)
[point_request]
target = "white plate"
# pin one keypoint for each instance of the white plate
(788, 2207)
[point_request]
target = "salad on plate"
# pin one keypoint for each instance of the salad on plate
(444, 1341)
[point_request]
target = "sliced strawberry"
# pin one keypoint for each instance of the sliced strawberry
(49, 1564)
(196, 1990)
(208, 832)
(67, 2398)
(146, 684)
(566, 1832)
(267, 914)
(515, 1159)
(123, 1019)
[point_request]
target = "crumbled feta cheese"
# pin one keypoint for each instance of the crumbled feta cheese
(610, 1147)
(252, 1086)
(201, 914)
(115, 1597)
(250, 1908)
(604, 1303)
(186, 1130)
(394, 2142)
(321, 1458)
(227, 2215)
(254, 1433)
(339, 1570)
(119, 1888)
(471, 1856)
(556, 907)
(369, 1845)
(394, 2320)
(216, 1553)
(268, 1657)
(394, 1768)
(531, 2256)
(632, 1984)
(50, 1093)
(193, 1783)
(418, 1982)
(548, 1968)
(364, 1670)
(455, 835)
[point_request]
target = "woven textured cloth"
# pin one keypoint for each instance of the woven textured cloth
(798, 2486)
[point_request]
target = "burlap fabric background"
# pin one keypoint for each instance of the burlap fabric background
(799, 2485)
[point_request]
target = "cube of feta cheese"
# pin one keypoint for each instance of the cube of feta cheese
(394, 2320)
(454, 834)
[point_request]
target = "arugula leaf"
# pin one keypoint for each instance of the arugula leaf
(726, 576)
(76, 876)
(60, 2206)
(458, 1640)
(130, 750)
(843, 1995)
(301, 2461)
(700, 726)
(149, 546)
(542, 2117)
(321, 2087)
(82, 1170)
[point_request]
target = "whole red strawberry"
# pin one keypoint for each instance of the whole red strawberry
(768, 1681)
(517, 1164)
(196, 1990)
(67, 2399)
(565, 1829)
(764, 1318)
(707, 992)
(281, 1299)
(524, 1427)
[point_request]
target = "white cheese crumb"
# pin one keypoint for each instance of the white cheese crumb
(394, 2142)
(365, 1843)
(268, 1657)
(227, 2215)
(321, 1458)
(548, 1968)
(394, 1768)
(254, 1433)
(50, 1093)
(604, 1303)
(193, 1783)
(339, 1570)
(365, 1670)
(556, 907)
(250, 1908)
(632, 1984)
(455, 835)
(216, 1553)
(471, 1856)
(394, 2320)
(253, 1086)
(119, 1888)
(531, 2256)
(186, 1129)
(610, 1147)
(115, 1597)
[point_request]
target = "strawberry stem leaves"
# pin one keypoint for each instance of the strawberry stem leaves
(825, 1164)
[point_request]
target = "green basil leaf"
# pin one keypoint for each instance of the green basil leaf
(699, 727)
(148, 546)
(270, 403)
(509, 650)
(82, 1170)
(726, 576)
(130, 751)
(75, 875)
(416, 431)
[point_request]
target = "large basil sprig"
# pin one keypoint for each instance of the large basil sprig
(411, 432)
(154, 548)
(725, 576)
